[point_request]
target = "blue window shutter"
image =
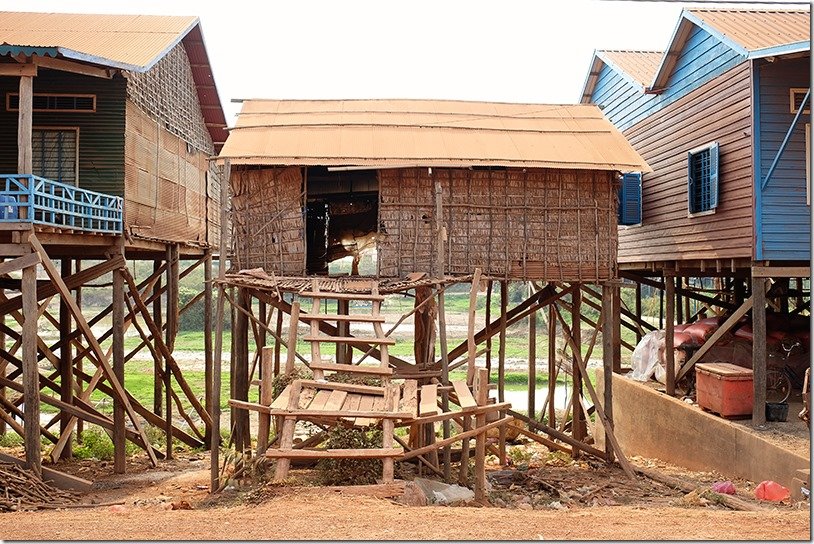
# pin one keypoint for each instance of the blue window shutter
(713, 176)
(630, 199)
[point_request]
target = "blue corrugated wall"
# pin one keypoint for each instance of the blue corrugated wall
(703, 58)
(783, 218)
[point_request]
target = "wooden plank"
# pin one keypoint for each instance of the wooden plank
(31, 373)
(409, 399)
(429, 400)
(353, 369)
(365, 405)
(282, 401)
(781, 272)
(351, 340)
(471, 345)
(351, 402)
(321, 398)
(725, 327)
(465, 399)
(30, 259)
(287, 433)
(341, 296)
(377, 412)
(349, 387)
(352, 318)
(54, 477)
(336, 454)
(100, 355)
(335, 400)
(73, 67)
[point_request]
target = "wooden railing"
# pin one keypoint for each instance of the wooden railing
(32, 199)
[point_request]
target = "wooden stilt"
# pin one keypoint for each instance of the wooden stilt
(501, 366)
(679, 300)
(471, 346)
(240, 358)
(638, 308)
(552, 367)
(277, 342)
(607, 353)
(578, 422)
(532, 378)
(616, 327)
(31, 373)
(669, 354)
(3, 362)
(208, 289)
(488, 318)
(759, 350)
(80, 426)
(661, 308)
(171, 333)
(266, 397)
(158, 368)
(291, 349)
(343, 351)
(481, 395)
(66, 379)
(442, 336)
(119, 454)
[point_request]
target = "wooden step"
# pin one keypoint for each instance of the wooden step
(353, 369)
(341, 296)
(378, 453)
(334, 414)
(358, 318)
(351, 340)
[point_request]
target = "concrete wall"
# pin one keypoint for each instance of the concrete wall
(651, 424)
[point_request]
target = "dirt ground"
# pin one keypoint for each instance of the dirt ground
(618, 509)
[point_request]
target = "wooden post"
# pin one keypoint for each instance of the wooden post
(266, 398)
(578, 430)
(481, 395)
(661, 308)
(501, 366)
(679, 301)
(442, 337)
(638, 309)
(291, 348)
(685, 284)
(119, 453)
(25, 127)
(31, 388)
(343, 354)
(171, 331)
(3, 364)
(552, 367)
(532, 383)
(80, 425)
(158, 368)
(277, 343)
(607, 353)
(739, 285)
(66, 379)
(669, 353)
(214, 444)
(208, 288)
(616, 327)
(470, 335)
(488, 319)
(759, 350)
(240, 358)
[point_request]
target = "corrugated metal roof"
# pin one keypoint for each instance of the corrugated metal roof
(441, 133)
(129, 42)
(639, 65)
(132, 42)
(757, 29)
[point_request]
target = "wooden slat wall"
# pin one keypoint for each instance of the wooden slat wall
(540, 224)
(719, 110)
(267, 219)
(165, 182)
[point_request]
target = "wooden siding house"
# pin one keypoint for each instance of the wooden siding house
(107, 127)
(722, 116)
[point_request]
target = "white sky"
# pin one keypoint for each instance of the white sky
(503, 50)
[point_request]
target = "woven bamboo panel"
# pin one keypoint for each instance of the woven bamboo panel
(165, 183)
(267, 219)
(553, 225)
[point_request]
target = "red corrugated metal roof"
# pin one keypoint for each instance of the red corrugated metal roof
(381, 133)
(639, 65)
(759, 28)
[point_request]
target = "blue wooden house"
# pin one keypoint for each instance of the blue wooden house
(722, 116)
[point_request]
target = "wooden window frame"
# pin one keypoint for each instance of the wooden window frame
(58, 110)
(62, 129)
(792, 93)
(690, 154)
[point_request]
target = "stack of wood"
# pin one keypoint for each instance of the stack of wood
(21, 489)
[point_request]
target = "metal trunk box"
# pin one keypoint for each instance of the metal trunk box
(724, 388)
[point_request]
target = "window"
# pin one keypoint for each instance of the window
(630, 199)
(702, 179)
(55, 153)
(55, 102)
(796, 100)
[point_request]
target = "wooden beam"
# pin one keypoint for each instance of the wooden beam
(30, 259)
(725, 327)
(31, 388)
(25, 154)
(73, 67)
(64, 291)
(781, 272)
(8, 69)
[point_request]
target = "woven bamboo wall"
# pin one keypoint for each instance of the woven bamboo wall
(556, 225)
(172, 192)
(165, 183)
(267, 219)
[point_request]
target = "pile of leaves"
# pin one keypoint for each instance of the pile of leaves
(351, 471)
